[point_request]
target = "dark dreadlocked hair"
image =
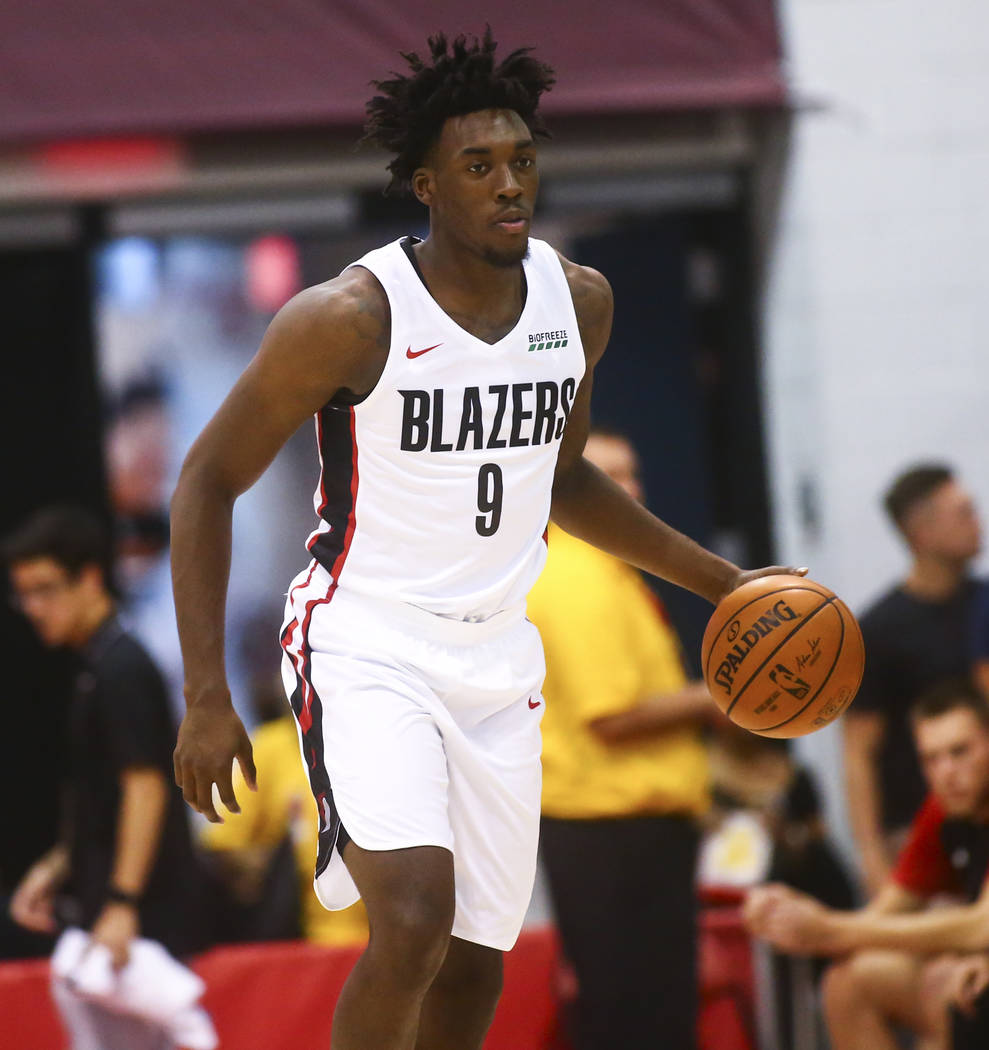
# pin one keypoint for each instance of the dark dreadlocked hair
(459, 78)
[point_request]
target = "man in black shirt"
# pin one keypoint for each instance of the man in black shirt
(125, 866)
(911, 958)
(916, 636)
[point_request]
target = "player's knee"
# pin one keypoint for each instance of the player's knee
(472, 969)
(489, 976)
(414, 930)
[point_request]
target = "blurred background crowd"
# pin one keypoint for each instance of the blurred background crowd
(788, 201)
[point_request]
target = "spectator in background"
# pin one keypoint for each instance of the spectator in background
(624, 781)
(766, 824)
(276, 832)
(758, 778)
(915, 636)
(126, 866)
(905, 964)
(138, 445)
(38, 679)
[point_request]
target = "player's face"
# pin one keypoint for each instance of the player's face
(481, 182)
(51, 598)
(947, 524)
(954, 753)
(616, 458)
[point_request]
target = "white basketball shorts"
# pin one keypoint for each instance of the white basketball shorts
(418, 730)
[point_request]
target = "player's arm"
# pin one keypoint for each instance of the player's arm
(325, 339)
(862, 735)
(589, 505)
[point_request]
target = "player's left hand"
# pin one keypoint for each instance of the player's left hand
(115, 928)
(210, 738)
(792, 921)
(754, 574)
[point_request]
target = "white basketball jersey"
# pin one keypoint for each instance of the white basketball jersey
(435, 488)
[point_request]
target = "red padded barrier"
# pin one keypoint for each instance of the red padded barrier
(27, 1017)
(727, 983)
(273, 995)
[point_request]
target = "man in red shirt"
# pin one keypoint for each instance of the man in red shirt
(902, 963)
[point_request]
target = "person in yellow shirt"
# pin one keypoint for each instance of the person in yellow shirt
(282, 805)
(625, 779)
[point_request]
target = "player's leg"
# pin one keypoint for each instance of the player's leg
(871, 993)
(460, 1004)
(409, 896)
(378, 769)
(492, 745)
(420, 790)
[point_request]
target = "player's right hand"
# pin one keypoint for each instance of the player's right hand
(210, 738)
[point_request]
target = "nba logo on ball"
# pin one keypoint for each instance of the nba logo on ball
(782, 656)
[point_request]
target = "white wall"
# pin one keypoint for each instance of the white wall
(876, 312)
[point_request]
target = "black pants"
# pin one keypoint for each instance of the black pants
(624, 896)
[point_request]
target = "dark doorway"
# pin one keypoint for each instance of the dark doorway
(680, 379)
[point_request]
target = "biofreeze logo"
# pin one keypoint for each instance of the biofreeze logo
(548, 340)
(768, 622)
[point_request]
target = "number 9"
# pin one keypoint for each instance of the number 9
(490, 490)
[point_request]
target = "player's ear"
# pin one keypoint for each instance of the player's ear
(424, 185)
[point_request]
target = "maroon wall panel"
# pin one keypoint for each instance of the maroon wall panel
(106, 67)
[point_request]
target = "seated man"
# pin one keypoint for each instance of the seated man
(904, 964)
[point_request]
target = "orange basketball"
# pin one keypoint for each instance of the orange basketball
(782, 656)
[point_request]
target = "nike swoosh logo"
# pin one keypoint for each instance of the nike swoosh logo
(533, 706)
(410, 354)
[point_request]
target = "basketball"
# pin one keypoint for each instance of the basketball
(782, 656)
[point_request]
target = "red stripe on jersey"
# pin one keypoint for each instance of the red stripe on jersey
(322, 478)
(352, 516)
(286, 639)
(300, 657)
(338, 462)
(302, 663)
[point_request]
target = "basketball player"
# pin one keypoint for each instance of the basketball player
(451, 384)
